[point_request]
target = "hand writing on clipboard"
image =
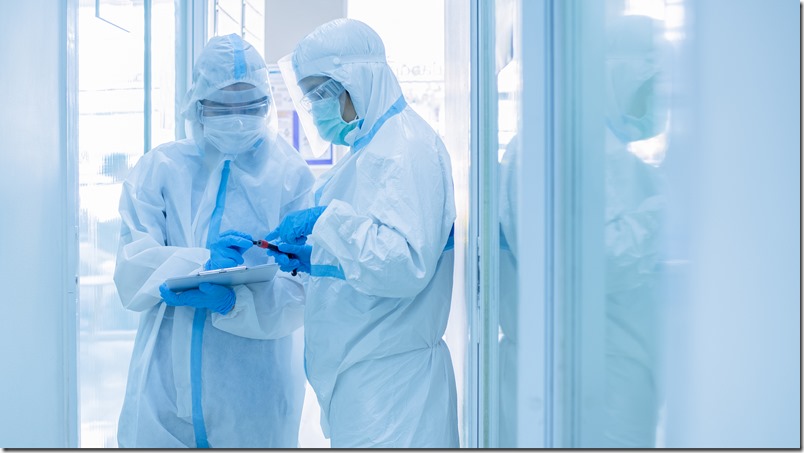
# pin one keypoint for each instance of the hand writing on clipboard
(267, 245)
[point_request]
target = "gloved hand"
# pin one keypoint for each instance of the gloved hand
(228, 250)
(214, 297)
(286, 263)
(300, 260)
(296, 226)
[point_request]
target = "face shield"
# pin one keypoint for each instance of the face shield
(207, 108)
(234, 119)
(306, 94)
(230, 92)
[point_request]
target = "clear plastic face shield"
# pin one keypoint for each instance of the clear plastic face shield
(235, 99)
(209, 109)
(304, 93)
(234, 119)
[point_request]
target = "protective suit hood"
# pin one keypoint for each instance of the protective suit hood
(225, 61)
(350, 52)
(636, 107)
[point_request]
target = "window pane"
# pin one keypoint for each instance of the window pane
(111, 140)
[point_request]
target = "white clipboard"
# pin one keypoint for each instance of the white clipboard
(229, 276)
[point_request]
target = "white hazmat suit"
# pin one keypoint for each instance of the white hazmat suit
(200, 378)
(636, 111)
(509, 295)
(381, 281)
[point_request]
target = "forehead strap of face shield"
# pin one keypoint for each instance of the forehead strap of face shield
(236, 96)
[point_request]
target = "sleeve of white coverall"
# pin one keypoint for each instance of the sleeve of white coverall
(392, 249)
(274, 309)
(632, 245)
(143, 260)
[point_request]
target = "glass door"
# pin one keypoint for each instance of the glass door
(573, 130)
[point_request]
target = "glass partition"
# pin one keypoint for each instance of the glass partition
(601, 134)
(508, 80)
(111, 138)
(615, 120)
(638, 122)
(245, 18)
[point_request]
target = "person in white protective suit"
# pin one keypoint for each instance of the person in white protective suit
(637, 119)
(377, 246)
(215, 366)
(509, 295)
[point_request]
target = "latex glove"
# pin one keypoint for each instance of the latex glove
(228, 250)
(302, 256)
(213, 297)
(296, 226)
(285, 262)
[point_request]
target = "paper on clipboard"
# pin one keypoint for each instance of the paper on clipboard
(230, 276)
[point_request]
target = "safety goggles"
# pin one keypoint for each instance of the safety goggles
(207, 108)
(329, 89)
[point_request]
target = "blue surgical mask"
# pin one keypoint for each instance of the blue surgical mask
(329, 122)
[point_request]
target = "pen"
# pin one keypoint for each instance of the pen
(263, 244)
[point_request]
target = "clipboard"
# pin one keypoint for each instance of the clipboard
(229, 276)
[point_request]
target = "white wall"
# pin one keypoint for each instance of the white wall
(287, 22)
(36, 196)
(733, 371)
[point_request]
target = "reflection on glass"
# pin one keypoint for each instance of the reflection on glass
(508, 87)
(637, 119)
(509, 296)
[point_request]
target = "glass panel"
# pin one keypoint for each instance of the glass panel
(245, 19)
(163, 67)
(115, 12)
(226, 25)
(638, 120)
(699, 259)
(255, 24)
(111, 120)
(604, 228)
(508, 97)
(226, 17)
(231, 8)
(417, 59)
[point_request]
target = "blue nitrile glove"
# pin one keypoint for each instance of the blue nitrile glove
(296, 226)
(286, 263)
(214, 297)
(302, 252)
(228, 250)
